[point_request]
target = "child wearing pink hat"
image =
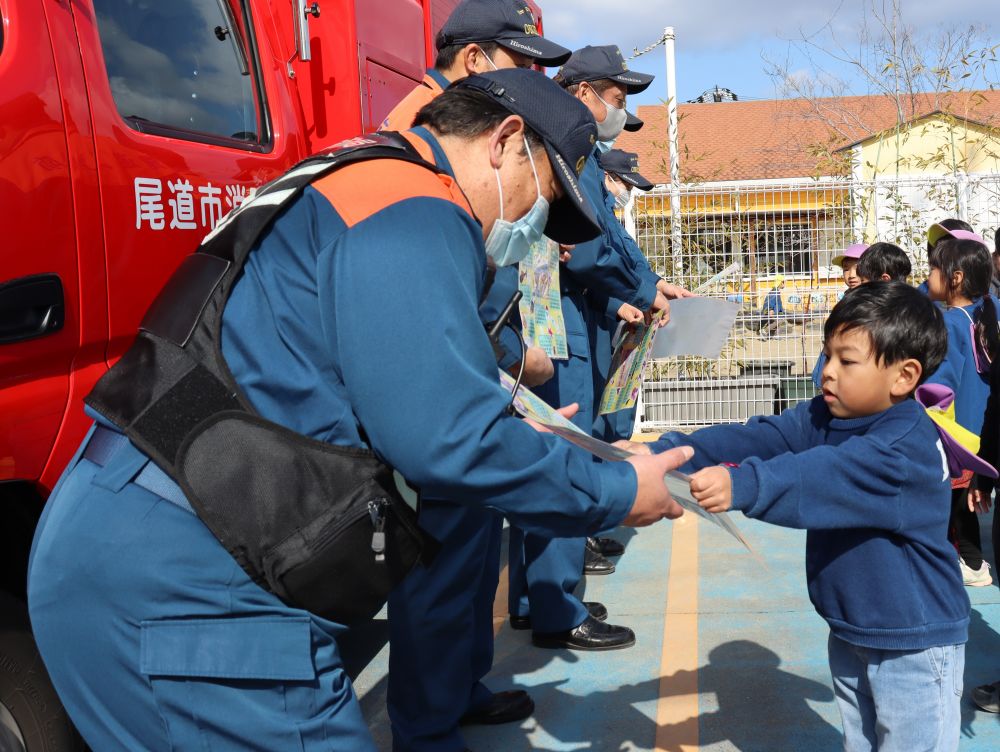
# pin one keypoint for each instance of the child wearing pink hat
(848, 261)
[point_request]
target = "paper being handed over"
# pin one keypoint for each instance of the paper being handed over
(531, 406)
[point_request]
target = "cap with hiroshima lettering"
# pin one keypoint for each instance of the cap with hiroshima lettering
(567, 130)
(624, 164)
(594, 63)
(509, 23)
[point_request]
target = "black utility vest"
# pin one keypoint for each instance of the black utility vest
(323, 527)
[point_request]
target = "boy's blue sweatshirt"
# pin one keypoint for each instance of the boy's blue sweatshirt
(874, 494)
(958, 370)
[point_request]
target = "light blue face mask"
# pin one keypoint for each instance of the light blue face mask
(605, 146)
(509, 242)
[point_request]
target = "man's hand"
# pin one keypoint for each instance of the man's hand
(566, 252)
(538, 367)
(633, 447)
(629, 314)
(652, 499)
(659, 304)
(672, 291)
(712, 488)
(567, 412)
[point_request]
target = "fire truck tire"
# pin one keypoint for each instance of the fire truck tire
(31, 717)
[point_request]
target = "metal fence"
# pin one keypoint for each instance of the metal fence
(750, 240)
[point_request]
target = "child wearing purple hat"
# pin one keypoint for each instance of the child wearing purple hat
(848, 262)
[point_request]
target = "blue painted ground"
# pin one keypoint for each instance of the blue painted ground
(762, 675)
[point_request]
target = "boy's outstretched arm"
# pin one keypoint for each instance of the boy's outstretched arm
(856, 484)
(765, 437)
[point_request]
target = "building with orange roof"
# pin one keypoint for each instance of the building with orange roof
(780, 186)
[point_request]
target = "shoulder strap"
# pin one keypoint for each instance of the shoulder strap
(239, 230)
(176, 310)
(969, 317)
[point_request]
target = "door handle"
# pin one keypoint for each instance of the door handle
(31, 307)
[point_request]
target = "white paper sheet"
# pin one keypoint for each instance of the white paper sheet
(698, 326)
(679, 485)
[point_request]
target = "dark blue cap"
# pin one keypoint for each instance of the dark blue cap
(594, 63)
(632, 122)
(624, 164)
(568, 131)
(509, 23)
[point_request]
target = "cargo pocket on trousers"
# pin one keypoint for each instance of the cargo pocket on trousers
(578, 345)
(224, 683)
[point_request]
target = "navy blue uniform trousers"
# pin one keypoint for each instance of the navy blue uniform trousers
(543, 571)
(120, 577)
(441, 629)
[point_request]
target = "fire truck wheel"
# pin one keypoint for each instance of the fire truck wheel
(31, 717)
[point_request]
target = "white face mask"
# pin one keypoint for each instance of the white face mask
(509, 242)
(614, 121)
(488, 59)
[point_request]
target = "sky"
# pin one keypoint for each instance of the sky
(725, 42)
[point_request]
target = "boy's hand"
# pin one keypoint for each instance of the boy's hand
(712, 488)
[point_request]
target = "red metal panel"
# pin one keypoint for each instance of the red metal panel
(390, 53)
(36, 192)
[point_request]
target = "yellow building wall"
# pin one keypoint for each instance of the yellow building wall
(935, 146)
(745, 201)
(984, 151)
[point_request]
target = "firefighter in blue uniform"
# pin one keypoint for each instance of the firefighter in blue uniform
(544, 571)
(621, 170)
(155, 637)
(426, 712)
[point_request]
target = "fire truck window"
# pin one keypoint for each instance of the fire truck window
(175, 64)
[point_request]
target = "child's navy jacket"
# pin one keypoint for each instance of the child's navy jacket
(874, 494)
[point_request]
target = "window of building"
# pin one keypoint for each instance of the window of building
(182, 66)
(783, 248)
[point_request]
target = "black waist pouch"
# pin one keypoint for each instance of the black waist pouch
(322, 527)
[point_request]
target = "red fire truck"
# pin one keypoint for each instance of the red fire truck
(128, 128)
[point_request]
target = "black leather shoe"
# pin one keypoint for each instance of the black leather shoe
(591, 635)
(605, 546)
(503, 707)
(596, 564)
(597, 610)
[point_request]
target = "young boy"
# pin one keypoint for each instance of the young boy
(883, 262)
(863, 470)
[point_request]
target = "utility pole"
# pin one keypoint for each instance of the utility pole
(675, 159)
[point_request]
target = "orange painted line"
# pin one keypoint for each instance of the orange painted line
(677, 709)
